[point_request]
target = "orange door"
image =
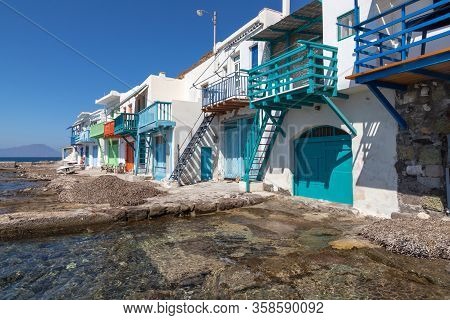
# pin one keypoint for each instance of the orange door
(129, 161)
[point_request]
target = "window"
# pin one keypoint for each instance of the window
(345, 24)
(237, 63)
(254, 55)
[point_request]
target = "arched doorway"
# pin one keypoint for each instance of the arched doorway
(323, 165)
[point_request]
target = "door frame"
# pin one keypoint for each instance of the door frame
(333, 138)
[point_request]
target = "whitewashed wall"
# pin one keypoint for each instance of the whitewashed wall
(374, 150)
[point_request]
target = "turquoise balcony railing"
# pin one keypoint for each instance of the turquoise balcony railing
(159, 114)
(308, 69)
(392, 35)
(126, 124)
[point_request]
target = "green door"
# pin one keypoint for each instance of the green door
(113, 152)
(323, 165)
(206, 167)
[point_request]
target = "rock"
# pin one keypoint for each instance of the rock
(433, 203)
(350, 243)
(71, 266)
(406, 152)
(430, 155)
(172, 208)
(402, 215)
(205, 207)
(228, 204)
(414, 170)
(255, 199)
(423, 216)
(434, 171)
(432, 183)
(156, 210)
(7, 165)
(137, 213)
(186, 209)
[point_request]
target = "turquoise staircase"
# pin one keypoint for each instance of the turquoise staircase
(143, 153)
(266, 126)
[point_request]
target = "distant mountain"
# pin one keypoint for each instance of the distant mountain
(32, 150)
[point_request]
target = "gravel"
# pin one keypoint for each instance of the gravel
(111, 190)
(414, 237)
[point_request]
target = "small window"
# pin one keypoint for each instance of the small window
(345, 24)
(254, 55)
(237, 63)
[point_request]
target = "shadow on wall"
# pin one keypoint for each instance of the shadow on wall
(192, 171)
(374, 148)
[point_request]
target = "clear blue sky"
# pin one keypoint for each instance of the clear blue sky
(45, 85)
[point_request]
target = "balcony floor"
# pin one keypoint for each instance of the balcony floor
(433, 65)
(227, 105)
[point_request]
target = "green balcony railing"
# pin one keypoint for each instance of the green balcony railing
(126, 124)
(310, 68)
(97, 130)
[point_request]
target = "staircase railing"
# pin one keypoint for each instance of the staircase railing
(310, 65)
(191, 133)
(232, 86)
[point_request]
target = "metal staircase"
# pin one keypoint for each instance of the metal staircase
(264, 132)
(191, 146)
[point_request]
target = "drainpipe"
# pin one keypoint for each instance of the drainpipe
(286, 8)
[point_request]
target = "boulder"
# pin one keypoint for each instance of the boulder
(205, 207)
(137, 213)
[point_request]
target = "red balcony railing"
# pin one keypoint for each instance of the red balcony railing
(109, 129)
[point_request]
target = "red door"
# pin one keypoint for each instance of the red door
(129, 161)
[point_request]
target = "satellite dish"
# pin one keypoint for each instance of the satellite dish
(200, 13)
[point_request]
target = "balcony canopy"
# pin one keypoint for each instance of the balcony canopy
(306, 22)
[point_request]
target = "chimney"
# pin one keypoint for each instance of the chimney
(286, 8)
(162, 74)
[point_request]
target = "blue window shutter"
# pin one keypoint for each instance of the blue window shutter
(254, 50)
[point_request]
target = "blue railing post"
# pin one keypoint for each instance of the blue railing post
(403, 53)
(357, 22)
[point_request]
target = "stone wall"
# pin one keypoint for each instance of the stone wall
(422, 148)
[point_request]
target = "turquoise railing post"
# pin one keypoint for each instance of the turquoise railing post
(311, 73)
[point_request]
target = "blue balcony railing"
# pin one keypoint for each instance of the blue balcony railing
(234, 86)
(85, 136)
(392, 35)
(159, 114)
(126, 124)
(74, 139)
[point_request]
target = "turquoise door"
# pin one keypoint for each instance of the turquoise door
(232, 157)
(206, 164)
(236, 133)
(159, 163)
(323, 166)
(95, 156)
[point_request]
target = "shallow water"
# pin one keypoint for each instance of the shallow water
(274, 251)
(10, 183)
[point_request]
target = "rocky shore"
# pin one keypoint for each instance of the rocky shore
(75, 202)
(65, 204)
